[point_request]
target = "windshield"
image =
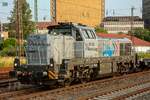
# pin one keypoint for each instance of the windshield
(88, 34)
(60, 32)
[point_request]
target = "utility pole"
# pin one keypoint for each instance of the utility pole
(19, 31)
(1, 26)
(1, 36)
(131, 33)
(132, 19)
(132, 24)
(53, 10)
(36, 14)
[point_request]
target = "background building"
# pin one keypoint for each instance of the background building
(121, 24)
(3, 31)
(42, 26)
(87, 12)
(3, 35)
(146, 13)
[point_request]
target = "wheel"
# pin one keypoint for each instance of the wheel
(67, 82)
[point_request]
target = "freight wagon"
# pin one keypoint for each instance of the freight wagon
(114, 47)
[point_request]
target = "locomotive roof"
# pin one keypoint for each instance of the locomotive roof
(116, 39)
(68, 25)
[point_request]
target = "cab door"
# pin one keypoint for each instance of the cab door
(90, 43)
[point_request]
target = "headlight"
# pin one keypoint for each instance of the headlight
(19, 72)
(51, 65)
(44, 73)
(15, 64)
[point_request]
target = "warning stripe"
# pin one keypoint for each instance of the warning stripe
(51, 75)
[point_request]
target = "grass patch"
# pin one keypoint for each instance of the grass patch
(8, 61)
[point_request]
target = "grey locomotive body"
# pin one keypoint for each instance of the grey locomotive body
(72, 52)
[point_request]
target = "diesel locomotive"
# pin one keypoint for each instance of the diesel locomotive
(71, 52)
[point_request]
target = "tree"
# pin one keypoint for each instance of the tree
(120, 33)
(100, 30)
(142, 34)
(28, 26)
(7, 47)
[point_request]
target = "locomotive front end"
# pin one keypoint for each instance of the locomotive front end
(46, 56)
(40, 63)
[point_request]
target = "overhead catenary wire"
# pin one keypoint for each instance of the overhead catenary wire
(118, 11)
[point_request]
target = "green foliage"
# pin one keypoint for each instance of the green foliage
(11, 42)
(9, 51)
(144, 55)
(120, 33)
(100, 30)
(28, 26)
(1, 46)
(142, 34)
(7, 48)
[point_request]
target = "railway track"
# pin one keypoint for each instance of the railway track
(4, 75)
(126, 93)
(11, 87)
(123, 87)
(4, 72)
(25, 91)
(7, 82)
(8, 85)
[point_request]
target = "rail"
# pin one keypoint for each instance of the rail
(92, 89)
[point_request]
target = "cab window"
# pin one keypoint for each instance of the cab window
(85, 34)
(78, 36)
(91, 34)
(88, 34)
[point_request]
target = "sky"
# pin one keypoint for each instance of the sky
(123, 7)
(43, 9)
(113, 8)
